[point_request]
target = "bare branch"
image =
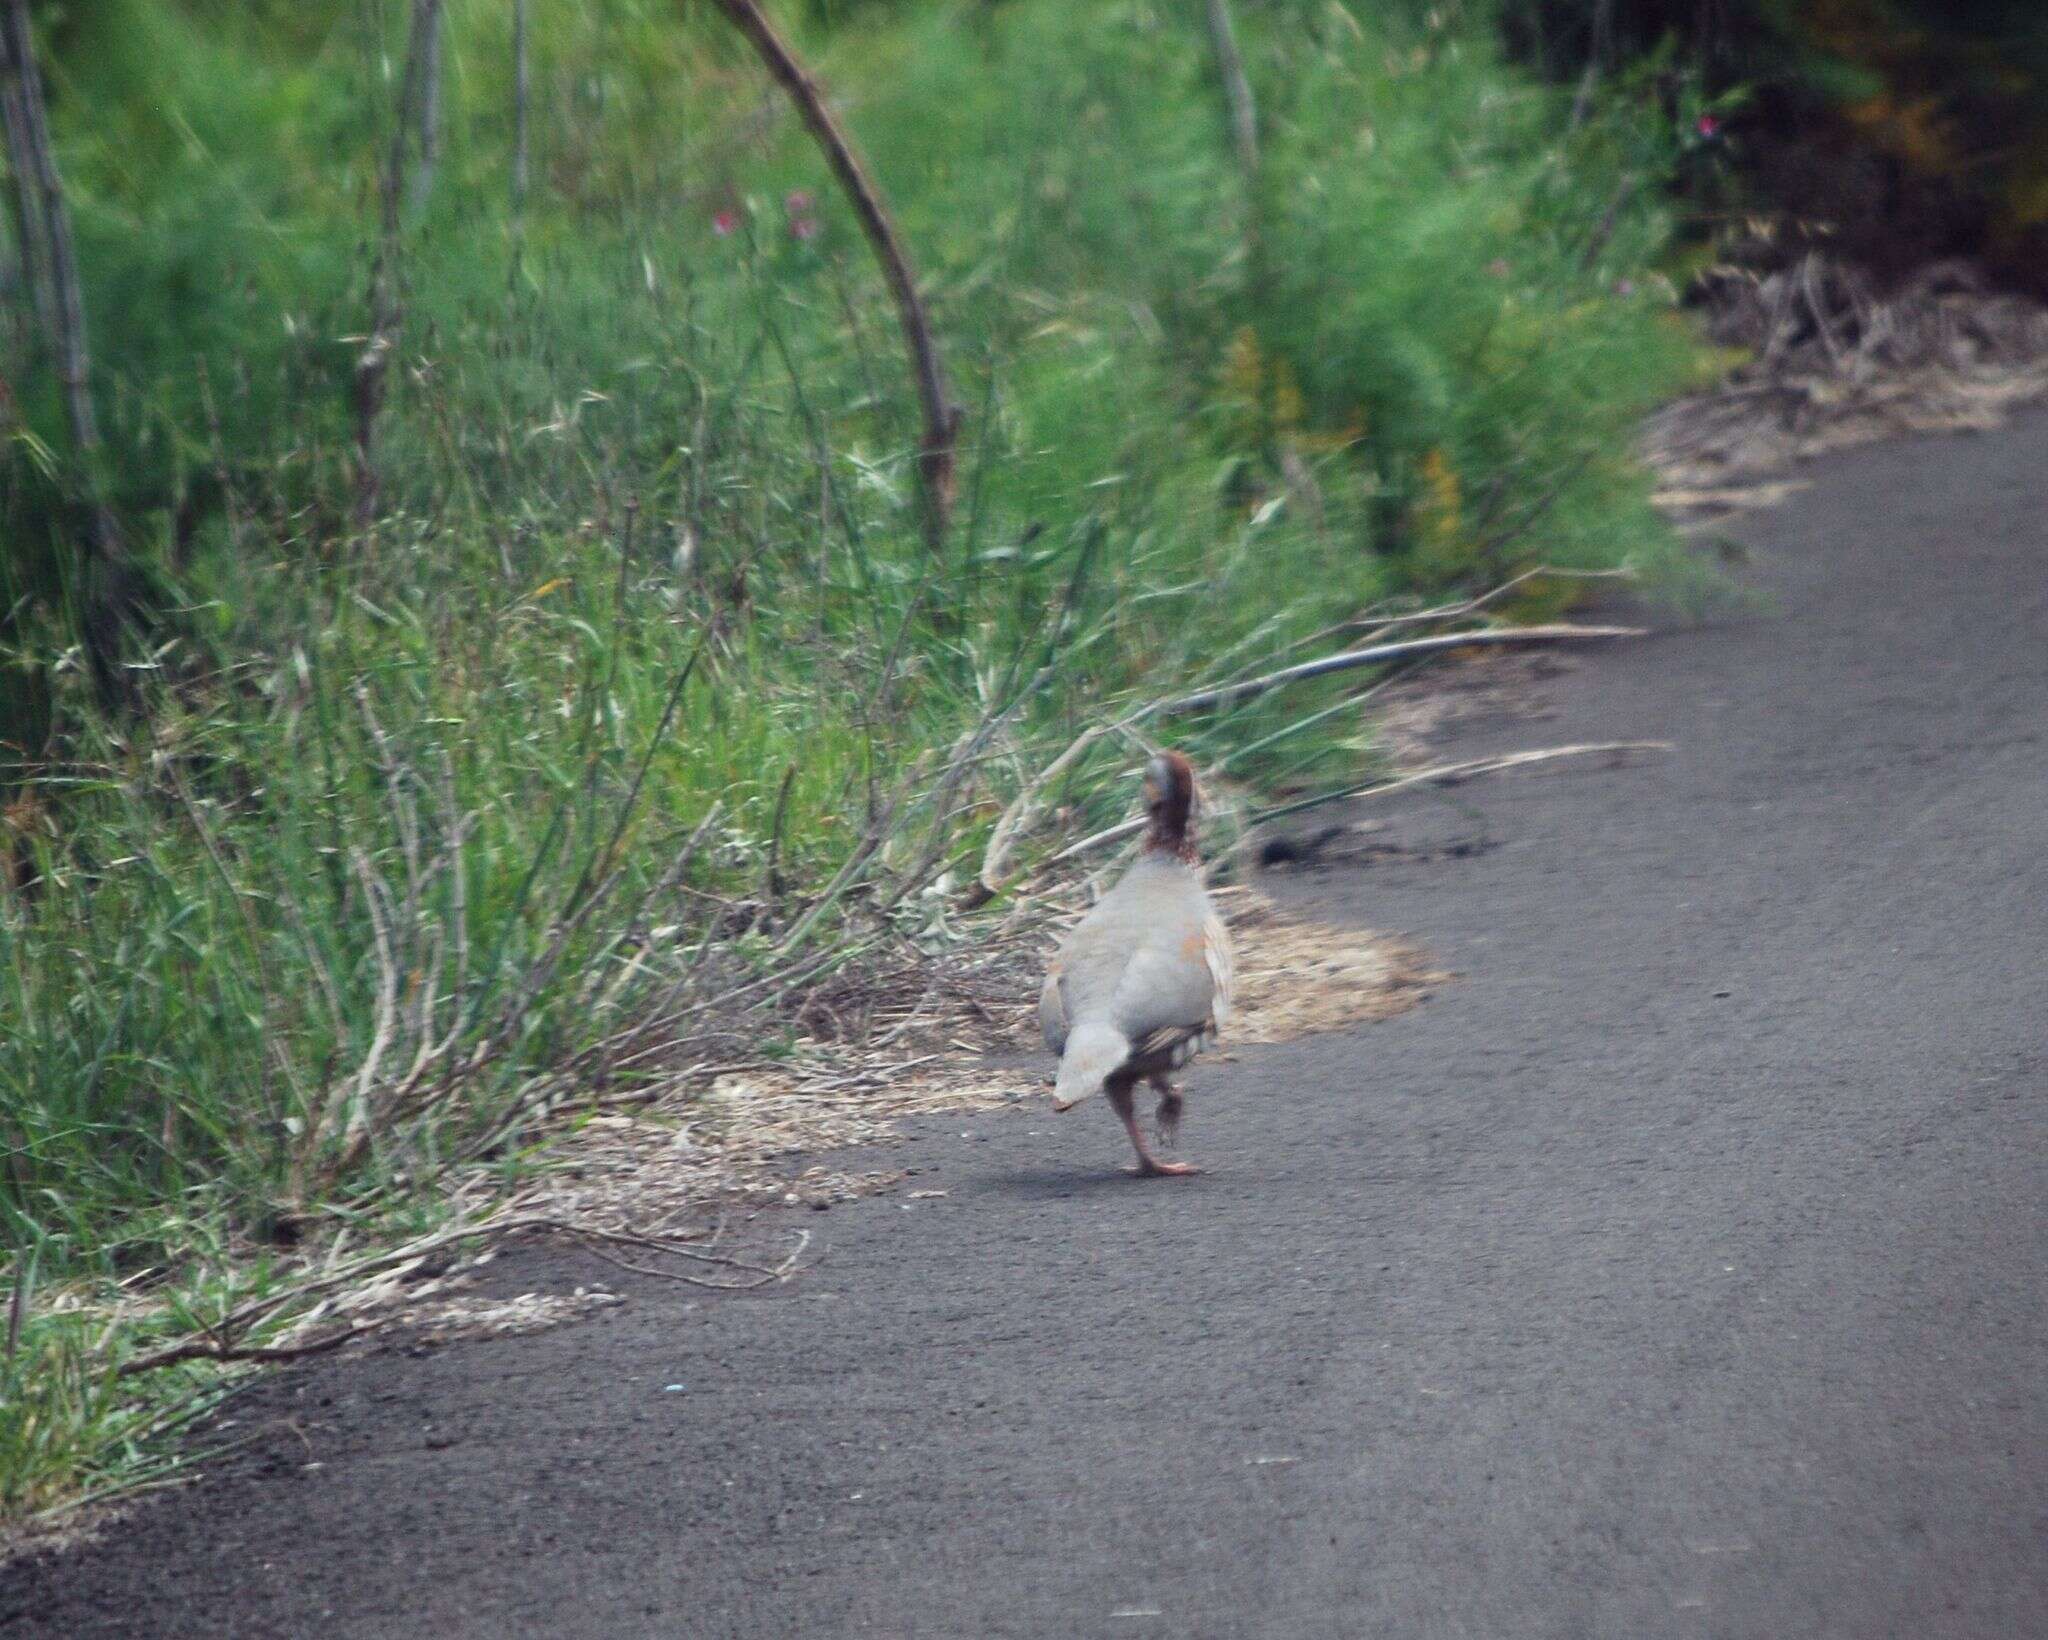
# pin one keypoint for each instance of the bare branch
(110, 594)
(941, 418)
(38, 161)
(387, 312)
(31, 246)
(521, 95)
(427, 42)
(208, 1349)
(1237, 90)
(1450, 774)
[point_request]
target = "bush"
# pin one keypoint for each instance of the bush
(644, 686)
(1903, 130)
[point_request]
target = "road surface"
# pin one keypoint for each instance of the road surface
(1677, 1271)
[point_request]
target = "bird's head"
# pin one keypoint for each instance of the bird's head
(1170, 802)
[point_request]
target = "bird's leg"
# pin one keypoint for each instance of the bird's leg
(1120, 1101)
(1166, 1119)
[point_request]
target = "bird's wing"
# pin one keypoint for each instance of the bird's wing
(1052, 1010)
(1189, 986)
(1176, 1044)
(1222, 964)
(1151, 959)
(1166, 986)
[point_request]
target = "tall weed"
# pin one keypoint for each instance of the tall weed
(643, 686)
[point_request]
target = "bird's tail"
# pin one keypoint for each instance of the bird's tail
(1094, 1051)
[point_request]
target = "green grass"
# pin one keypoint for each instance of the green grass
(647, 637)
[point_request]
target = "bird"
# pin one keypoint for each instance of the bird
(1142, 983)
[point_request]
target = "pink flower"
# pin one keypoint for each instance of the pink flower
(1624, 287)
(1499, 268)
(724, 222)
(1708, 127)
(799, 203)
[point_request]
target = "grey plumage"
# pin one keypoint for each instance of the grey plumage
(1145, 976)
(1142, 983)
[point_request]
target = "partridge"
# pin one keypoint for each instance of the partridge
(1142, 983)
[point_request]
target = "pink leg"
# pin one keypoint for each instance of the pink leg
(1148, 1166)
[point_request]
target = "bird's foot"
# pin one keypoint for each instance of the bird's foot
(1152, 1168)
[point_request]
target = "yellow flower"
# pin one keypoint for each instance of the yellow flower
(1244, 372)
(1439, 512)
(1288, 407)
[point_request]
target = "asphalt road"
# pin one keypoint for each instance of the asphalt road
(1677, 1271)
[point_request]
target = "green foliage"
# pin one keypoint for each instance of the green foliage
(425, 787)
(71, 1429)
(1485, 384)
(1949, 93)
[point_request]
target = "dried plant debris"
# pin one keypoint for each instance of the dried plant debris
(964, 1038)
(674, 1184)
(1477, 689)
(60, 1534)
(692, 1174)
(443, 1320)
(1295, 977)
(1837, 362)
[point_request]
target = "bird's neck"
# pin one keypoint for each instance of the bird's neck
(1172, 843)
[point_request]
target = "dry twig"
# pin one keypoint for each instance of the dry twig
(1444, 774)
(1379, 654)
(210, 1349)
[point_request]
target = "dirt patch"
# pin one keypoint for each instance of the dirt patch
(673, 1183)
(1834, 364)
(969, 1041)
(1462, 692)
(77, 1529)
(1298, 978)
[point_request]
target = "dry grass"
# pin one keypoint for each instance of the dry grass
(1836, 363)
(964, 1038)
(1466, 691)
(1300, 978)
(444, 1320)
(685, 1179)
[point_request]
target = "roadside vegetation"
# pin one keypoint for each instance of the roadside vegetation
(612, 689)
